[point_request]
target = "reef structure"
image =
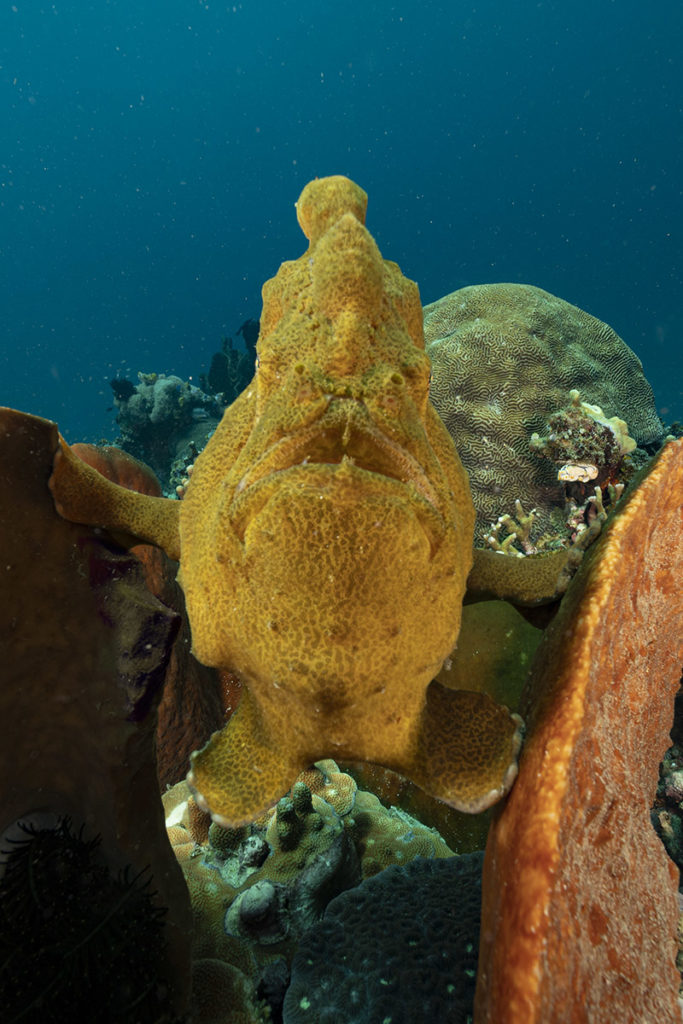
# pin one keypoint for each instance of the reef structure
(165, 421)
(84, 648)
(232, 368)
(605, 649)
(258, 890)
(584, 444)
(580, 908)
(506, 358)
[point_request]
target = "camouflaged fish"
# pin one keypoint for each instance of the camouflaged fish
(325, 539)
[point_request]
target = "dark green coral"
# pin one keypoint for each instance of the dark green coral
(402, 946)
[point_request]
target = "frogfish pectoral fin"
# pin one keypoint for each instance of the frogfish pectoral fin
(82, 495)
(467, 748)
(241, 772)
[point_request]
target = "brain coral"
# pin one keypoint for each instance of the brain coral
(402, 946)
(504, 358)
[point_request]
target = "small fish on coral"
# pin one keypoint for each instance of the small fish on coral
(583, 443)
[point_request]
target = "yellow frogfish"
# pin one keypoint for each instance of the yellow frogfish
(325, 539)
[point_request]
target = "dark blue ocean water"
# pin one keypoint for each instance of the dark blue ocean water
(151, 152)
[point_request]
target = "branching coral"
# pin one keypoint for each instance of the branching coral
(518, 531)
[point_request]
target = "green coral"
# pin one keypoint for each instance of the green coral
(257, 890)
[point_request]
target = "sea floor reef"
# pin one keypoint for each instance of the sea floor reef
(258, 889)
(579, 899)
(165, 421)
(509, 362)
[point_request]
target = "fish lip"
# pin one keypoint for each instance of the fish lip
(356, 440)
(350, 444)
(320, 476)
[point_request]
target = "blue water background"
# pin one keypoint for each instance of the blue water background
(151, 153)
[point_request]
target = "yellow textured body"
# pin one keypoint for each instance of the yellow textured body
(326, 537)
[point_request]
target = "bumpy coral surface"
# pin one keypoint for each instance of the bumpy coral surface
(256, 890)
(325, 539)
(504, 359)
(163, 418)
(580, 900)
(221, 995)
(401, 947)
